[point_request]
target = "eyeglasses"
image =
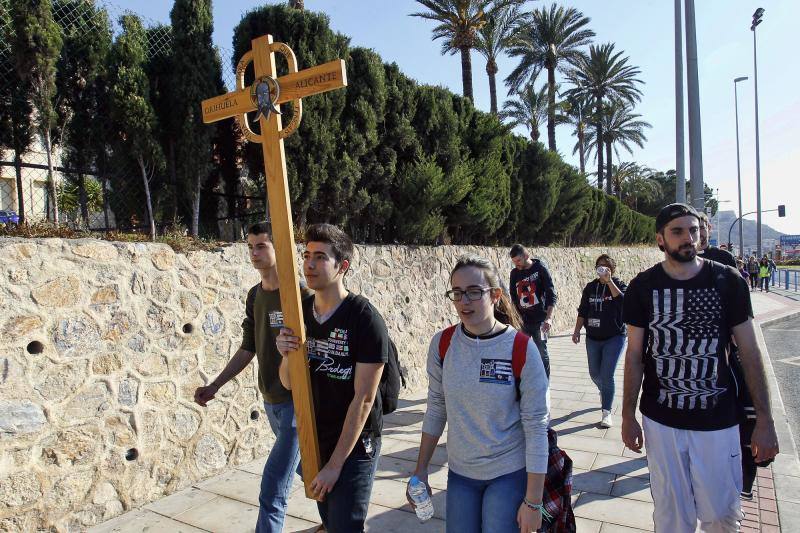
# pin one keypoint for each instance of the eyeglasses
(473, 295)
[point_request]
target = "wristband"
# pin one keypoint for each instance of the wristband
(537, 507)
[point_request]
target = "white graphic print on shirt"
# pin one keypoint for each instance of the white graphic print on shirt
(685, 333)
(526, 291)
(275, 319)
(331, 355)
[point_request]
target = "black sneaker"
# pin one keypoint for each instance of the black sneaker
(747, 495)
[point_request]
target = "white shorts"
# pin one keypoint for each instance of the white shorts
(695, 478)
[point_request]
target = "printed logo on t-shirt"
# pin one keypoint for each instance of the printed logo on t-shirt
(496, 371)
(685, 329)
(526, 291)
(275, 319)
(331, 356)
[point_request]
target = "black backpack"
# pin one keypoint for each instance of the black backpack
(392, 379)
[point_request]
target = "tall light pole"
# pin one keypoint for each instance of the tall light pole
(693, 90)
(738, 165)
(756, 21)
(680, 163)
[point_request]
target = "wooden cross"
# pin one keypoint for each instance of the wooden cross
(289, 88)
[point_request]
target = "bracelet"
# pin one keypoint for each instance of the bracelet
(537, 507)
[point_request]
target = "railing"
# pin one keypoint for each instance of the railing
(786, 279)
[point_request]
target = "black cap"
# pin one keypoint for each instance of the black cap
(673, 211)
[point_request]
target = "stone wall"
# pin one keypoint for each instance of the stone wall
(102, 345)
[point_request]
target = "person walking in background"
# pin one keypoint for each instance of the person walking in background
(752, 268)
(600, 312)
(763, 274)
(496, 414)
(772, 269)
(706, 250)
(262, 322)
(740, 266)
(534, 296)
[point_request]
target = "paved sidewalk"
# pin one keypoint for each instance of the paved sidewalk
(611, 483)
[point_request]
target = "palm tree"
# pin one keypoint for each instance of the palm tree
(495, 36)
(637, 184)
(528, 110)
(297, 4)
(458, 24)
(620, 127)
(604, 75)
(575, 111)
(551, 41)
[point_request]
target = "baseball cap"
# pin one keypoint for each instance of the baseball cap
(673, 211)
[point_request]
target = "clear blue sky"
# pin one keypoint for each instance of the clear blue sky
(645, 30)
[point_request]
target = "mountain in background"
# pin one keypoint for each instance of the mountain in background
(726, 218)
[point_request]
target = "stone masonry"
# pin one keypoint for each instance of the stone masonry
(102, 345)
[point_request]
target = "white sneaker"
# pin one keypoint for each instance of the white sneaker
(606, 421)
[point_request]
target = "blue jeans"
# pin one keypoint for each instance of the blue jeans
(344, 509)
(534, 331)
(603, 357)
(478, 506)
(283, 461)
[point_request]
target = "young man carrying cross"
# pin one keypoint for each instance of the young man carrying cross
(348, 345)
(263, 320)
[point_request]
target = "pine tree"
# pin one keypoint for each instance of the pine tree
(36, 44)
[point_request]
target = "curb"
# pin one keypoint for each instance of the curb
(781, 422)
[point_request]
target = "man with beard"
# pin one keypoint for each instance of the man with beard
(712, 253)
(680, 316)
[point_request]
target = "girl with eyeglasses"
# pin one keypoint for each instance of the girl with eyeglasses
(497, 446)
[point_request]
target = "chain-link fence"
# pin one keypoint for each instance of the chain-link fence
(104, 192)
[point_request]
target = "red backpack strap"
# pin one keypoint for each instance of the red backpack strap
(519, 353)
(444, 341)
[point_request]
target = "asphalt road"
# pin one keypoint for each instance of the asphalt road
(783, 344)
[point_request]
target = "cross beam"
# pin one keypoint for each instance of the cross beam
(289, 88)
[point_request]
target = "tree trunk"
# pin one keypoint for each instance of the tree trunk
(581, 149)
(492, 91)
(48, 145)
(196, 209)
(599, 151)
(297, 4)
(148, 199)
(83, 200)
(534, 132)
(173, 177)
(105, 202)
(609, 175)
(466, 72)
(551, 108)
(20, 189)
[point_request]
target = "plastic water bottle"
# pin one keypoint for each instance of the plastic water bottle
(422, 500)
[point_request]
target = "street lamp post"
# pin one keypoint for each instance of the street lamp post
(756, 21)
(738, 166)
(680, 163)
(696, 180)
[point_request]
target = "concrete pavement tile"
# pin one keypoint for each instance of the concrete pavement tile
(616, 528)
(632, 454)
(590, 444)
(635, 488)
(301, 507)
(787, 464)
(565, 427)
(409, 451)
(789, 514)
(568, 394)
(235, 484)
(256, 466)
(592, 481)
(292, 524)
(143, 520)
(392, 495)
(585, 525)
(384, 520)
(787, 488)
(404, 418)
(401, 469)
(619, 511)
(407, 433)
(222, 515)
(180, 501)
(623, 466)
(581, 459)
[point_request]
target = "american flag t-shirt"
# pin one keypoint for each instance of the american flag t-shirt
(686, 337)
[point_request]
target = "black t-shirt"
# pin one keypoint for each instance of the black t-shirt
(355, 333)
(687, 379)
(532, 292)
(712, 253)
(602, 312)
